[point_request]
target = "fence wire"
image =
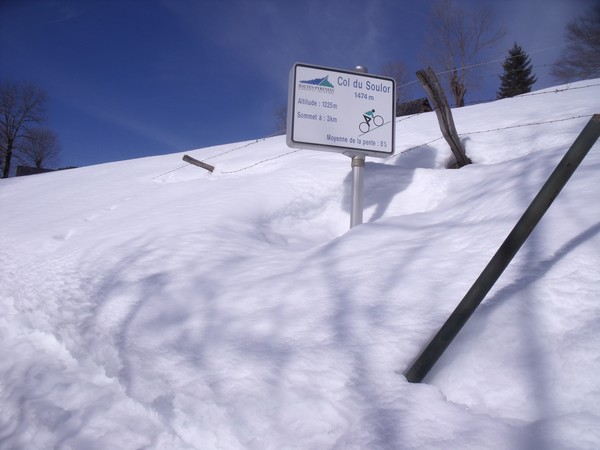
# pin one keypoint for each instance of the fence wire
(397, 120)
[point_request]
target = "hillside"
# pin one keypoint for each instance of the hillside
(151, 304)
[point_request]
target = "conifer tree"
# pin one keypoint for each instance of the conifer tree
(517, 78)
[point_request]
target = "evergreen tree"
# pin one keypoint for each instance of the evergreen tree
(517, 78)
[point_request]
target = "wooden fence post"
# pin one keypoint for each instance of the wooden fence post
(198, 163)
(439, 102)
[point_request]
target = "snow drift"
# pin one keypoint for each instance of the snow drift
(151, 304)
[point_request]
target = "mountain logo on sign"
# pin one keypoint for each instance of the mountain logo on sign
(323, 82)
(317, 85)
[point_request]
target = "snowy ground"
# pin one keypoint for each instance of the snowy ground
(151, 304)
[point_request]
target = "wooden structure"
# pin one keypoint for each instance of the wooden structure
(195, 162)
(439, 102)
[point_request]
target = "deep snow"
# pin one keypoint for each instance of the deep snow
(151, 304)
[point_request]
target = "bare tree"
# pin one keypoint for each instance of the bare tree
(21, 106)
(398, 72)
(41, 147)
(581, 58)
(456, 37)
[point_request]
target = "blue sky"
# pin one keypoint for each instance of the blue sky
(133, 78)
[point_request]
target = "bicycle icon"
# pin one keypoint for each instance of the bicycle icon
(369, 116)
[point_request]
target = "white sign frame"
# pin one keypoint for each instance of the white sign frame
(341, 111)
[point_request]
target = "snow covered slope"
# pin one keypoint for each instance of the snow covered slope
(151, 304)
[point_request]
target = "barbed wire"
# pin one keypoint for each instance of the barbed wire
(502, 59)
(492, 130)
(536, 67)
(169, 171)
(245, 145)
(261, 162)
(544, 122)
(557, 90)
(395, 155)
(423, 144)
(471, 66)
(527, 94)
(222, 153)
(397, 120)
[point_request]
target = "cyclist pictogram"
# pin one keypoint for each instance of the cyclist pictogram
(369, 116)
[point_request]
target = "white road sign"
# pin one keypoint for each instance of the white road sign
(341, 111)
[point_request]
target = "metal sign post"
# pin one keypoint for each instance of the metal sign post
(348, 112)
(358, 177)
